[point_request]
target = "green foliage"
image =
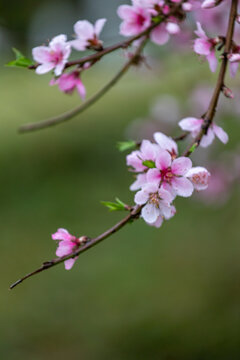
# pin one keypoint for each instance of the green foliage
(21, 60)
(114, 206)
(149, 163)
(126, 145)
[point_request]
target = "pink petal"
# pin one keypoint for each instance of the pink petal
(125, 12)
(81, 89)
(200, 32)
(191, 124)
(44, 68)
(181, 165)
(65, 248)
(41, 54)
(148, 150)
(99, 26)
(166, 142)
(141, 180)
(202, 47)
(165, 195)
(60, 39)
(233, 68)
(84, 29)
(62, 234)
(172, 28)
(153, 176)
(212, 60)
(182, 186)
(220, 133)
(69, 263)
(159, 35)
(141, 197)
(207, 139)
(150, 213)
(79, 45)
(158, 222)
(163, 160)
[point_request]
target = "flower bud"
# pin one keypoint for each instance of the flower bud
(227, 92)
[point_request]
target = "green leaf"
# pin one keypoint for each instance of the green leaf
(114, 206)
(126, 145)
(21, 60)
(193, 148)
(149, 163)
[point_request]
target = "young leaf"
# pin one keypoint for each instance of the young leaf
(115, 206)
(126, 145)
(149, 163)
(21, 60)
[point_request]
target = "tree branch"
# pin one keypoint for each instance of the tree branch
(209, 115)
(79, 109)
(135, 213)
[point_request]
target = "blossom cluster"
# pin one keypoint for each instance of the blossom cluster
(56, 54)
(161, 176)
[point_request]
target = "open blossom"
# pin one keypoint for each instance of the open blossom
(53, 56)
(171, 174)
(194, 126)
(87, 35)
(68, 82)
(135, 19)
(206, 46)
(158, 204)
(67, 244)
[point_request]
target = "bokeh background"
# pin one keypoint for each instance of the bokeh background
(171, 293)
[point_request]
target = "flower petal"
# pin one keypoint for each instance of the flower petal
(69, 263)
(166, 142)
(207, 139)
(181, 165)
(99, 26)
(199, 176)
(163, 160)
(220, 133)
(150, 213)
(182, 186)
(191, 124)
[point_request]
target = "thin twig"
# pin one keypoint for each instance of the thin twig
(134, 214)
(209, 115)
(79, 109)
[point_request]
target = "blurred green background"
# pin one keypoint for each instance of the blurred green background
(171, 293)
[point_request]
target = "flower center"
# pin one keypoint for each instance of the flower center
(140, 20)
(167, 175)
(154, 199)
(200, 178)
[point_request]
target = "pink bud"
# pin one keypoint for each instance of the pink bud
(227, 92)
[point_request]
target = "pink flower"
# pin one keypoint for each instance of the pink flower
(199, 177)
(194, 126)
(69, 82)
(66, 246)
(88, 35)
(158, 204)
(54, 56)
(147, 152)
(206, 46)
(135, 19)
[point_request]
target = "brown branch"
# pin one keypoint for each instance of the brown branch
(209, 115)
(134, 214)
(79, 109)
